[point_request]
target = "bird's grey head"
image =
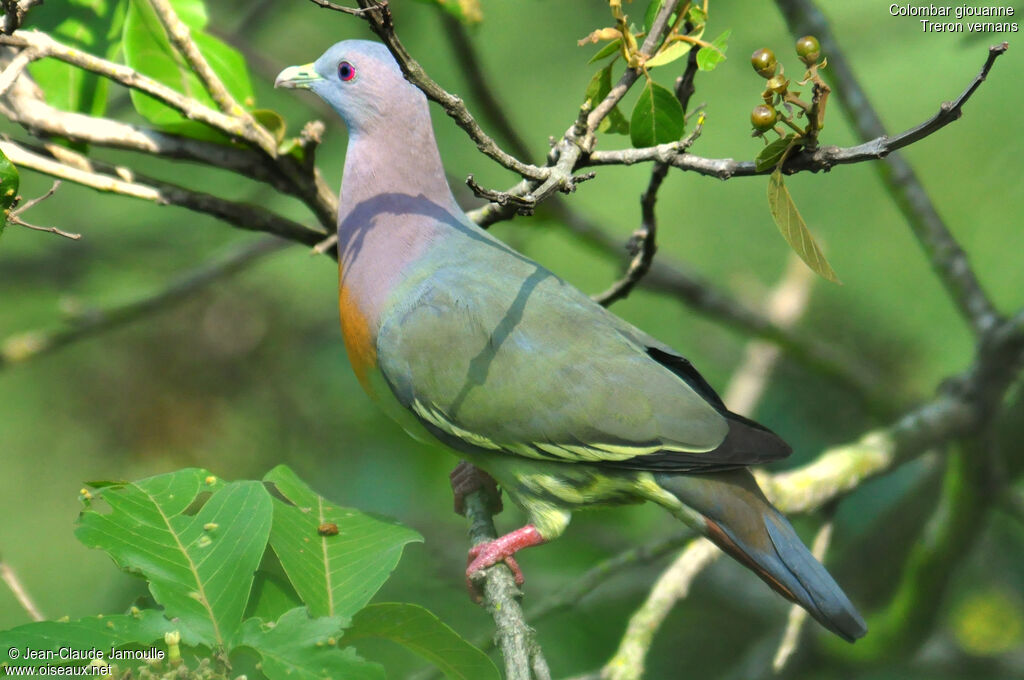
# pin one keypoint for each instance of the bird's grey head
(363, 83)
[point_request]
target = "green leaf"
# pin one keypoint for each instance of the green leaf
(90, 25)
(199, 567)
(10, 181)
(272, 121)
(657, 117)
(148, 50)
(97, 632)
(300, 648)
(794, 230)
(679, 48)
(652, 11)
(336, 575)
(710, 57)
(606, 51)
(272, 595)
(599, 87)
(418, 630)
(772, 154)
(696, 16)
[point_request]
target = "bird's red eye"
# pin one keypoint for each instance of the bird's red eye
(346, 71)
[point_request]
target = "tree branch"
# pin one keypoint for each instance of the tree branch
(523, 657)
(111, 179)
(43, 45)
(12, 581)
(963, 409)
(946, 256)
(31, 344)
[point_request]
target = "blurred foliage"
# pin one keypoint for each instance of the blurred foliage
(252, 372)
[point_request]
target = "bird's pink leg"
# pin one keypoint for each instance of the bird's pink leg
(501, 549)
(467, 478)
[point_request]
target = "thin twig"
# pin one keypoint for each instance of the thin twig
(378, 16)
(14, 13)
(644, 241)
(946, 256)
(111, 179)
(43, 45)
(797, 614)
(673, 585)
(20, 592)
(31, 344)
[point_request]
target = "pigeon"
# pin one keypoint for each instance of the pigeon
(465, 341)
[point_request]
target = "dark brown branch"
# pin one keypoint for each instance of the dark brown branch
(643, 244)
(14, 13)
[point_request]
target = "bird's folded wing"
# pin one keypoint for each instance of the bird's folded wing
(532, 367)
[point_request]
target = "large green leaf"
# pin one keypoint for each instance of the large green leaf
(99, 632)
(199, 567)
(421, 632)
(148, 50)
(794, 229)
(336, 574)
(300, 648)
(657, 117)
(598, 88)
(91, 25)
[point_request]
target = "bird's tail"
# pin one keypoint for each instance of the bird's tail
(740, 520)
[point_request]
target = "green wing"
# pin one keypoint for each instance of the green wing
(520, 362)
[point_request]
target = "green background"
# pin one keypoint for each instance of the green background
(252, 371)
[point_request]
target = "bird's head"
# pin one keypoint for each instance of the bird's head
(362, 82)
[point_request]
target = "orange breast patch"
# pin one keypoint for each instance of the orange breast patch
(356, 331)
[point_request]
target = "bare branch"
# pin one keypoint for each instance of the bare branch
(798, 615)
(378, 16)
(644, 242)
(20, 592)
(823, 158)
(523, 657)
(673, 585)
(111, 179)
(946, 256)
(14, 13)
(181, 37)
(42, 45)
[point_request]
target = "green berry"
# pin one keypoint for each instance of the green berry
(763, 118)
(763, 61)
(808, 49)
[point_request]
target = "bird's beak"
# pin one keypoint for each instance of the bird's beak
(298, 76)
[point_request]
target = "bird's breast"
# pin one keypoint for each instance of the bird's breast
(359, 342)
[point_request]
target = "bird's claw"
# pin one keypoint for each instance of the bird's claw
(487, 555)
(467, 478)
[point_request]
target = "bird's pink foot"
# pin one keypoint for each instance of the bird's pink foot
(500, 549)
(467, 478)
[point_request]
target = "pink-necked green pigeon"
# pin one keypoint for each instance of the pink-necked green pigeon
(565, 405)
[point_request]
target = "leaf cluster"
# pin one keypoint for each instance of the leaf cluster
(265, 577)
